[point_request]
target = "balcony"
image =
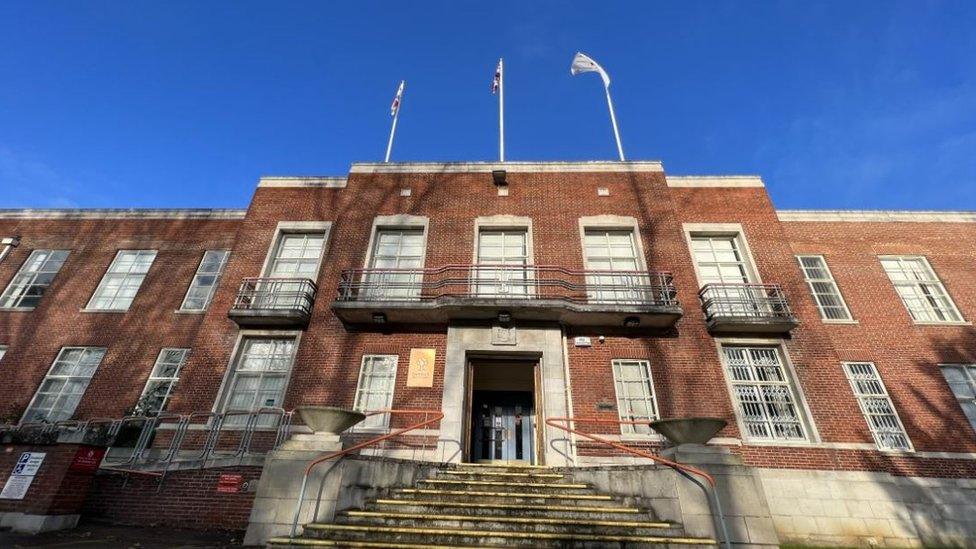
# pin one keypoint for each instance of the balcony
(377, 297)
(278, 302)
(738, 308)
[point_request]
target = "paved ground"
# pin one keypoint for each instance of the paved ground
(96, 535)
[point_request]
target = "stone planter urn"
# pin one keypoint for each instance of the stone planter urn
(689, 430)
(329, 420)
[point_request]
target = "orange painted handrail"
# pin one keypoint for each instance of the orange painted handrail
(438, 415)
(685, 470)
(658, 459)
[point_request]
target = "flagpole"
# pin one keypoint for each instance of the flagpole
(613, 120)
(501, 111)
(396, 116)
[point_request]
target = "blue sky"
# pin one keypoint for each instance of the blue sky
(867, 105)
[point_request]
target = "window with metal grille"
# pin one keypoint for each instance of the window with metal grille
(162, 381)
(824, 288)
(920, 290)
(398, 256)
(609, 251)
(768, 403)
(962, 382)
(33, 279)
(259, 377)
(502, 258)
(876, 405)
(205, 280)
(635, 394)
(719, 259)
(121, 282)
(377, 377)
(65, 384)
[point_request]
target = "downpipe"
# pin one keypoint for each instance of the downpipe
(712, 494)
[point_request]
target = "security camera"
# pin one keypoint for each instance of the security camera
(602, 339)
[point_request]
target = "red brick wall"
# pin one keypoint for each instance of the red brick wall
(55, 490)
(186, 499)
(134, 338)
(687, 371)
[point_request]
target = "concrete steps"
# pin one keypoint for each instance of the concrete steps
(476, 505)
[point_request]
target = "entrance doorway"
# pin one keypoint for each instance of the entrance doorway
(502, 422)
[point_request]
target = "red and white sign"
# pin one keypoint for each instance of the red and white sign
(229, 484)
(87, 459)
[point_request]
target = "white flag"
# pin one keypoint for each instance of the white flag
(497, 80)
(396, 100)
(582, 63)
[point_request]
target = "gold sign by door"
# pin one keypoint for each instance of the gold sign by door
(421, 370)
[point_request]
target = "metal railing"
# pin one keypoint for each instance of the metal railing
(197, 437)
(745, 301)
(430, 417)
(276, 294)
(687, 471)
(528, 282)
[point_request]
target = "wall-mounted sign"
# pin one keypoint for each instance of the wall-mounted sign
(229, 484)
(22, 475)
(87, 459)
(582, 341)
(420, 372)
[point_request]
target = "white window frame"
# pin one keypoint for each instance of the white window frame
(934, 281)
(26, 280)
(384, 422)
(829, 280)
(722, 230)
(494, 279)
(297, 227)
(213, 288)
(882, 395)
(969, 371)
(172, 380)
(399, 222)
(613, 223)
(3, 352)
(227, 383)
(109, 272)
(809, 427)
(650, 399)
(66, 378)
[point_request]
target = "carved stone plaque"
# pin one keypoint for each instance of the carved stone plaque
(501, 335)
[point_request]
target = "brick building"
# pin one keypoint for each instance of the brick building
(838, 345)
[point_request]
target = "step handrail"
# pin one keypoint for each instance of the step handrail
(686, 471)
(437, 416)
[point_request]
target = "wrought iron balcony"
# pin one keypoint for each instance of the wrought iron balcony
(274, 302)
(529, 293)
(746, 308)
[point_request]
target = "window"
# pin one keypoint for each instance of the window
(259, 377)
(64, 385)
(635, 394)
(375, 391)
(162, 380)
(719, 260)
(962, 381)
(920, 290)
(3, 351)
(502, 258)
(297, 255)
(824, 288)
(764, 395)
(122, 280)
(393, 250)
(876, 405)
(205, 280)
(33, 279)
(613, 250)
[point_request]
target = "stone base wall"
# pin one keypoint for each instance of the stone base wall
(870, 509)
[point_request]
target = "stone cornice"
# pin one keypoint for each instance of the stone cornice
(513, 167)
(126, 213)
(877, 216)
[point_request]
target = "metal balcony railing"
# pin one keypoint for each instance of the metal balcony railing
(751, 303)
(507, 282)
(295, 295)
